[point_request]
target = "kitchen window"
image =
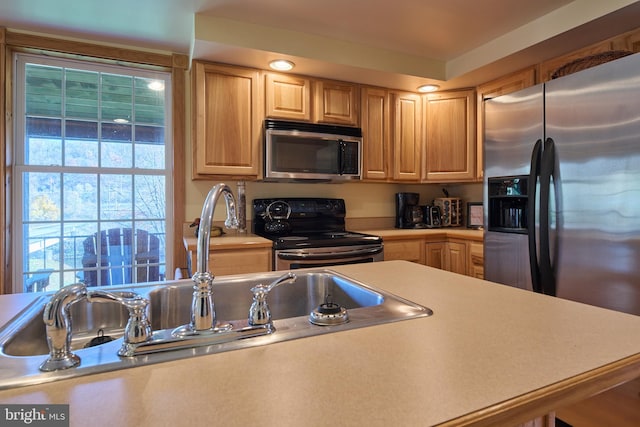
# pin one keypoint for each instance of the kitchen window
(92, 173)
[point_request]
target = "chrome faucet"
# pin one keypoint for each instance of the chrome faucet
(57, 320)
(203, 315)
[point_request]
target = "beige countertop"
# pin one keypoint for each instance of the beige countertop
(419, 233)
(234, 240)
(490, 355)
(230, 240)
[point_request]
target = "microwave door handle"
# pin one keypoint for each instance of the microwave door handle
(299, 255)
(341, 156)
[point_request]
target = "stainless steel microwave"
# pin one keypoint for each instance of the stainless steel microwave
(295, 151)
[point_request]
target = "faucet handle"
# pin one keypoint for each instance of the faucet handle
(259, 313)
(138, 327)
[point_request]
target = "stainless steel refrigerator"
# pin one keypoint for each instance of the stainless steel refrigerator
(562, 187)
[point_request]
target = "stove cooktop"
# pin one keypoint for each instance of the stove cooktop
(323, 240)
(306, 223)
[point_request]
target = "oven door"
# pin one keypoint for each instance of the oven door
(290, 259)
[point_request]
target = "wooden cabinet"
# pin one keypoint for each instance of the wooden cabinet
(227, 120)
(301, 98)
(406, 116)
(287, 97)
(450, 149)
(511, 83)
(336, 102)
(628, 42)
(475, 259)
(406, 249)
(456, 257)
(374, 119)
(240, 261)
(547, 68)
(450, 255)
(233, 260)
(435, 254)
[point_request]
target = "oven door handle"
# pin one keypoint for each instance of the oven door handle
(299, 255)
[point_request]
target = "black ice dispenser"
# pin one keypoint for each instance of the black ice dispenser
(508, 202)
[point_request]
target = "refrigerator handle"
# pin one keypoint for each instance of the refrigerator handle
(534, 173)
(547, 172)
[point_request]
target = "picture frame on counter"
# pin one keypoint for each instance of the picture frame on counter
(475, 215)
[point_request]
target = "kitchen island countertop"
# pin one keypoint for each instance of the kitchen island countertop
(489, 355)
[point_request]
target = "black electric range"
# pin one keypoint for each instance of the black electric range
(312, 229)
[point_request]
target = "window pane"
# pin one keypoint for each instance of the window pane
(116, 154)
(149, 105)
(81, 94)
(150, 197)
(43, 141)
(155, 228)
(40, 255)
(75, 238)
(42, 198)
(80, 196)
(116, 197)
(81, 143)
(43, 91)
(117, 97)
(150, 156)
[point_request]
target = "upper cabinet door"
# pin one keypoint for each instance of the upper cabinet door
(407, 136)
(336, 102)
(375, 133)
(227, 120)
(450, 136)
(287, 97)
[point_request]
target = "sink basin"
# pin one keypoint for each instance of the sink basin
(23, 344)
(233, 297)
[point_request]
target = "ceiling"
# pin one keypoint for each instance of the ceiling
(399, 43)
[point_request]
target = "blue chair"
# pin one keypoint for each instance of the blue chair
(116, 254)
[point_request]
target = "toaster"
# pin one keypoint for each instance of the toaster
(432, 217)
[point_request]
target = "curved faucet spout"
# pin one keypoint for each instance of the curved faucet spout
(203, 315)
(206, 218)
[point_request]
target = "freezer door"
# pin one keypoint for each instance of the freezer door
(513, 123)
(594, 118)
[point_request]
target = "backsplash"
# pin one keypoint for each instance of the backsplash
(363, 200)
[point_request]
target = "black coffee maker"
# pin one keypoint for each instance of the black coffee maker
(408, 213)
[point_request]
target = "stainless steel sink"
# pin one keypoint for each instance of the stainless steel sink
(23, 344)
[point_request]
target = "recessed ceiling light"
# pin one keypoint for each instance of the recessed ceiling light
(121, 120)
(281, 65)
(428, 88)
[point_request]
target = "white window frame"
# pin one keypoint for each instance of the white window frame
(18, 153)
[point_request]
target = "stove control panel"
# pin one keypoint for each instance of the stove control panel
(302, 207)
